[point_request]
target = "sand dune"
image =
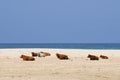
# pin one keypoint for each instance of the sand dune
(79, 67)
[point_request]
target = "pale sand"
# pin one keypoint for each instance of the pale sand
(79, 67)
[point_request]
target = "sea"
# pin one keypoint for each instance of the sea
(61, 45)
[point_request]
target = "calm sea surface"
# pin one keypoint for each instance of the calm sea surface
(65, 45)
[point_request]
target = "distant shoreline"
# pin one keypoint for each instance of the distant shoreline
(57, 48)
(93, 46)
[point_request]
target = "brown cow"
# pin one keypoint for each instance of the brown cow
(103, 57)
(27, 58)
(62, 56)
(89, 55)
(34, 54)
(45, 53)
(93, 57)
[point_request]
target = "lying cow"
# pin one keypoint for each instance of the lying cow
(45, 53)
(27, 58)
(41, 55)
(89, 55)
(34, 54)
(93, 57)
(62, 56)
(103, 57)
(37, 54)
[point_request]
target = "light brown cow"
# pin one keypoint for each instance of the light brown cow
(103, 57)
(62, 56)
(34, 54)
(93, 57)
(45, 53)
(27, 58)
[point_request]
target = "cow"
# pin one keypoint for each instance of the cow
(27, 58)
(89, 55)
(93, 57)
(103, 57)
(34, 54)
(37, 54)
(62, 56)
(45, 53)
(41, 55)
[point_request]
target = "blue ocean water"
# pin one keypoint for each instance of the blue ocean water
(64, 45)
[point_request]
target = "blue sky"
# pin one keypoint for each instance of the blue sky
(59, 21)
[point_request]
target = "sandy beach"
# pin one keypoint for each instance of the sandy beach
(79, 67)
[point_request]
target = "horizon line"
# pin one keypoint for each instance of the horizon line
(59, 43)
